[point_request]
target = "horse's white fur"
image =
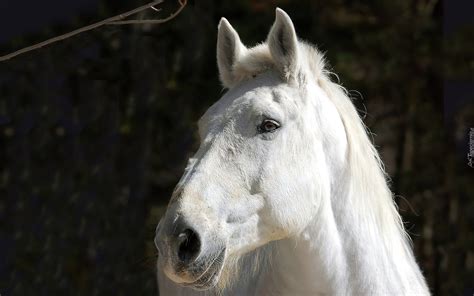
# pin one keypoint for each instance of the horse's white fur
(321, 219)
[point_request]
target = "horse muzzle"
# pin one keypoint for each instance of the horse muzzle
(188, 257)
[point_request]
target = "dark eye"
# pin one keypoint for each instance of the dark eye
(268, 126)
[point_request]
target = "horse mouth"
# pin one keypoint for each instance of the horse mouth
(209, 278)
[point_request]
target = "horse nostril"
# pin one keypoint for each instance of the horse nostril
(188, 246)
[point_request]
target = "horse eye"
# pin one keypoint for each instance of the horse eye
(268, 126)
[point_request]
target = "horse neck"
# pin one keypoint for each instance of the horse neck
(340, 253)
(366, 241)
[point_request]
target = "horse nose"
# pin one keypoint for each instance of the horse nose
(188, 245)
(178, 240)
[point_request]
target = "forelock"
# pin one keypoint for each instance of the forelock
(258, 60)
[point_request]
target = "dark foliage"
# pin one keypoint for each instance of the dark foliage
(95, 132)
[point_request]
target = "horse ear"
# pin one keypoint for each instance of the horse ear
(283, 44)
(229, 49)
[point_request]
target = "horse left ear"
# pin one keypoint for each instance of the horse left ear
(283, 44)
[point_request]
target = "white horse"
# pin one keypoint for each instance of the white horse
(286, 194)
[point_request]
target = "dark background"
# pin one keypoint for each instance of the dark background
(95, 130)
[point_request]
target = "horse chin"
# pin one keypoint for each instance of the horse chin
(210, 277)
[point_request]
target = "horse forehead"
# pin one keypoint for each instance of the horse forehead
(267, 86)
(262, 97)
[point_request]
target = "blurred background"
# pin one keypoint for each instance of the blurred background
(95, 130)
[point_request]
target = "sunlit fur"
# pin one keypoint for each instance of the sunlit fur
(354, 242)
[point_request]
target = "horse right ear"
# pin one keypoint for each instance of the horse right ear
(283, 44)
(229, 49)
